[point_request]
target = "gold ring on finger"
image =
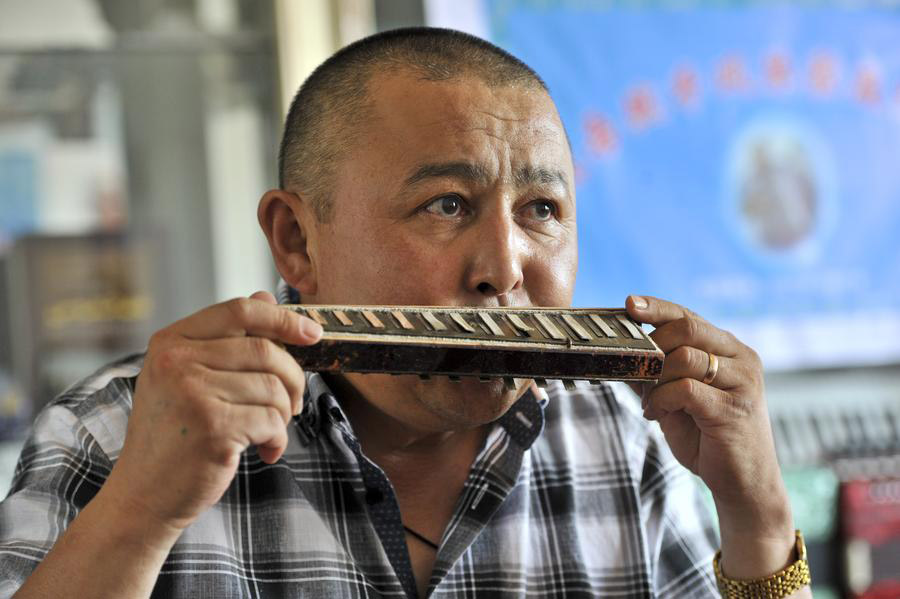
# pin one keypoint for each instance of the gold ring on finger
(712, 370)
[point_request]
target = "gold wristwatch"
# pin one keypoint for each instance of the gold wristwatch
(781, 584)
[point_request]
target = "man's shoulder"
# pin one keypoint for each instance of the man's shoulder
(98, 404)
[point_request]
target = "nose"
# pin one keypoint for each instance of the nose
(497, 256)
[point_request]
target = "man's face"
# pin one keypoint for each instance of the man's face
(457, 194)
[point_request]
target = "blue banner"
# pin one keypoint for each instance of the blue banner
(740, 159)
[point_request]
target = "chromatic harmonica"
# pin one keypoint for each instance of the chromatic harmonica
(488, 343)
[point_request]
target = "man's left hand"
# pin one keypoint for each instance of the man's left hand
(719, 429)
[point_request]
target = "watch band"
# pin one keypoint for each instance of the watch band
(781, 584)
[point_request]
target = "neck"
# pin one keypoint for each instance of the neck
(426, 457)
(407, 449)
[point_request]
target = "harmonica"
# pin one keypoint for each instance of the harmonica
(589, 344)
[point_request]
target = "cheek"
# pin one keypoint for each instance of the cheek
(367, 266)
(416, 273)
(550, 276)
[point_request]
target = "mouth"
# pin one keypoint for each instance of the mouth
(509, 383)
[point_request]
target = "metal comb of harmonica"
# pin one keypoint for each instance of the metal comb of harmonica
(589, 344)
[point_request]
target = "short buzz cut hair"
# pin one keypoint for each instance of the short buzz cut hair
(334, 99)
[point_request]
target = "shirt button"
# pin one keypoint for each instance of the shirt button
(373, 495)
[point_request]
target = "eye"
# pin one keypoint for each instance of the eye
(542, 210)
(449, 205)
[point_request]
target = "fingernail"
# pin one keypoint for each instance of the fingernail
(298, 407)
(639, 302)
(310, 328)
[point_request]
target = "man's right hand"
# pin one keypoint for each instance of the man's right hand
(212, 384)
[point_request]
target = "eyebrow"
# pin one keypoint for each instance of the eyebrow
(468, 171)
(530, 175)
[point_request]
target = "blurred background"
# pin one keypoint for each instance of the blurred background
(742, 158)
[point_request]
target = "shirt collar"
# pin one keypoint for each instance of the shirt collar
(524, 421)
(285, 294)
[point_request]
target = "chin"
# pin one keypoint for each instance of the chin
(469, 402)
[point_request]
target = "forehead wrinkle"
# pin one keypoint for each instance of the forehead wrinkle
(507, 119)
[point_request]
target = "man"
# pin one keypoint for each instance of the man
(417, 167)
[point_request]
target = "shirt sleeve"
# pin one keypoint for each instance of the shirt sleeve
(59, 471)
(682, 535)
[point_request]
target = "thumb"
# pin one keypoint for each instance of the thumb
(264, 296)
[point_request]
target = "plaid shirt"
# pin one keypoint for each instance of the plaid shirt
(573, 494)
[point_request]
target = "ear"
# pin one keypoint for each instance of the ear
(288, 222)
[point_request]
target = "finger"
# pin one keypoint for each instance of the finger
(253, 354)
(696, 333)
(248, 316)
(707, 405)
(264, 296)
(689, 362)
(260, 426)
(270, 455)
(261, 389)
(269, 451)
(655, 311)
